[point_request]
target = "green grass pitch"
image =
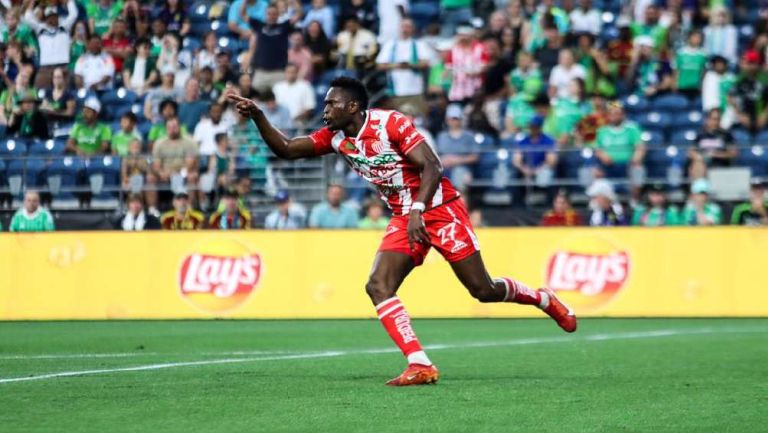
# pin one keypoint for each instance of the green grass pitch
(641, 375)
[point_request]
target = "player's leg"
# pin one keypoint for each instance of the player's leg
(473, 275)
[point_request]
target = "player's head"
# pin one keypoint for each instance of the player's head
(345, 99)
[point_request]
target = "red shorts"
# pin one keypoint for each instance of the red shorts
(450, 232)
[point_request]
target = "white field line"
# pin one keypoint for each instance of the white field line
(75, 355)
(337, 353)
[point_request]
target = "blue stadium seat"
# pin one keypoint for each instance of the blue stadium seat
(756, 158)
(63, 175)
(29, 170)
(485, 141)
(761, 138)
(654, 120)
(670, 103)
(635, 104)
(198, 13)
(119, 96)
(741, 137)
(574, 165)
(104, 175)
(14, 147)
(50, 147)
(653, 137)
(683, 137)
(689, 120)
(192, 43)
(660, 161)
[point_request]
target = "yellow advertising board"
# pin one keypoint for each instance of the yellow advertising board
(616, 272)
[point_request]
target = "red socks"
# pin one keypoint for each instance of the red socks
(519, 293)
(396, 321)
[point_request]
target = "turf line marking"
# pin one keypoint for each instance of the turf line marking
(336, 353)
(76, 355)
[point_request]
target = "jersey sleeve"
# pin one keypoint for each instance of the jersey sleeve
(322, 140)
(402, 131)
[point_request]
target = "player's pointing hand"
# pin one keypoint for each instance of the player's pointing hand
(246, 107)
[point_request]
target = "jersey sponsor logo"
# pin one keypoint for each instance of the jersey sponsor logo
(412, 136)
(219, 275)
(588, 272)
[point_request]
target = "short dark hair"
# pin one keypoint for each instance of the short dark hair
(354, 88)
(169, 102)
(267, 95)
(130, 116)
(221, 136)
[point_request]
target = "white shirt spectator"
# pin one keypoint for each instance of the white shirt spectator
(588, 21)
(298, 97)
(54, 42)
(94, 67)
(362, 43)
(389, 18)
(560, 78)
(206, 132)
(722, 40)
(405, 82)
(295, 219)
(324, 16)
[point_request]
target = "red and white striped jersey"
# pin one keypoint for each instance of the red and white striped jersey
(378, 154)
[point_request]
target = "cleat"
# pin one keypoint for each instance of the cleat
(563, 315)
(416, 374)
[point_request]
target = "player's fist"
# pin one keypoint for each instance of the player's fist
(417, 231)
(246, 107)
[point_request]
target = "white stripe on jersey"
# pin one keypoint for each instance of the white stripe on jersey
(437, 199)
(337, 139)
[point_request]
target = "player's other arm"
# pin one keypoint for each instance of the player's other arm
(282, 146)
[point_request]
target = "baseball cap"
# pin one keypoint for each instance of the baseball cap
(700, 186)
(537, 122)
(92, 103)
(180, 195)
(282, 196)
(644, 41)
(167, 69)
(751, 56)
(454, 111)
(50, 10)
(601, 187)
(465, 30)
(718, 58)
(756, 183)
(657, 187)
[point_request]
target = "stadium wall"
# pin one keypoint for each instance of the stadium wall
(616, 272)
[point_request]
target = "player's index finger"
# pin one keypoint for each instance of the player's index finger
(237, 97)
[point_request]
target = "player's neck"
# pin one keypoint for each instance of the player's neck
(354, 127)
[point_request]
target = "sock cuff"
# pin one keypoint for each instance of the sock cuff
(385, 303)
(511, 287)
(388, 307)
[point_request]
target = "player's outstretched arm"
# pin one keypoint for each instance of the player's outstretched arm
(282, 146)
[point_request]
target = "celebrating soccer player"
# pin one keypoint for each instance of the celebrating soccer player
(385, 148)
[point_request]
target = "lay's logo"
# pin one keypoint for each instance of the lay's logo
(589, 273)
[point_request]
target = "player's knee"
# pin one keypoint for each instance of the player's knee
(483, 292)
(377, 290)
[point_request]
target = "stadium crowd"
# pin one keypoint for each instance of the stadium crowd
(642, 107)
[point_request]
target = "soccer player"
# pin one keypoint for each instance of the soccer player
(385, 148)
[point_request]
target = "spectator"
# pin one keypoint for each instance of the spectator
(689, 63)
(158, 37)
(564, 73)
(166, 92)
(620, 50)
(233, 217)
(748, 96)
(714, 147)
(649, 74)
(136, 18)
(222, 163)
(466, 61)
(174, 155)
(192, 108)
(586, 18)
(182, 217)
(361, 9)
(206, 57)
(117, 44)
(237, 23)
(15, 30)
(135, 218)
(606, 210)
(32, 217)
(128, 133)
(651, 29)
(526, 77)
(296, 95)
(27, 120)
(169, 110)
(586, 129)
(568, 112)
(244, 87)
(495, 83)
(58, 101)
(720, 35)
(519, 113)
(457, 148)
(101, 14)
(299, 55)
(171, 56)
(89, 136)
(716, 86)
(320, 46)
(243, 189)
(700, 210)
(134, 168)
(561, 214)
(549, 54)
(269, 48)
(53, 38)
(139, 71)
(174, 14)
(453, 14)
(247, 141)
(390, 14)
(618, 143)
(332, 213)
(323, 14)
(209, 87)
(535, 156)
(374, 215)
(224, 72)
(656, 211)
(357, 47)
(755, 211)
(286, 215)
(95, 69)
(289, 10)
(600, 77)
(546, 18)
(209, 127)
(79, 36)
(278, 115)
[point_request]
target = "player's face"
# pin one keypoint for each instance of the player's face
(338, 109)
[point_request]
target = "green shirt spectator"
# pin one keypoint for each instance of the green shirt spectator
(246, 139)
(566, 114)
(31, 217)
(89, 136)
(520, 111)
(689, 63)
(755, 211)
(23, 34)
(101, 14)
(158, 131)
(121, 140)
(656, 216)
(700, 210)
(619, 142)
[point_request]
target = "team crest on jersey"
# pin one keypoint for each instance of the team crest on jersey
(378, 146)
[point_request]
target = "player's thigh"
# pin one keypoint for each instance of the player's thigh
(472, 273)
(387, 274)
